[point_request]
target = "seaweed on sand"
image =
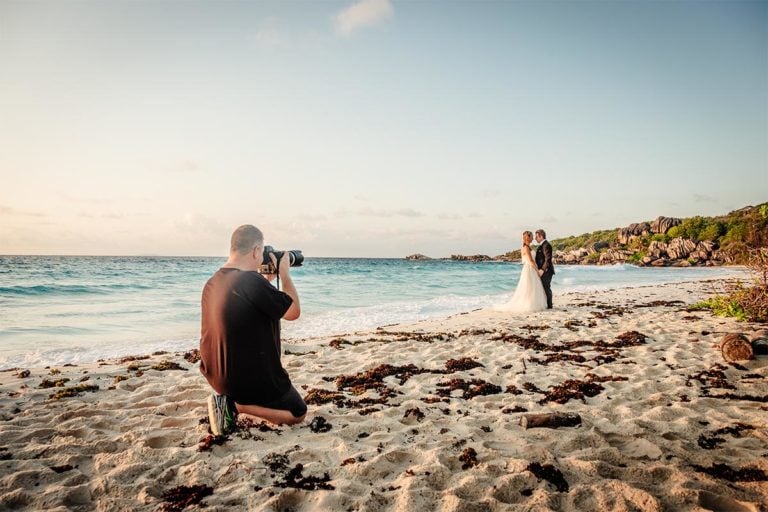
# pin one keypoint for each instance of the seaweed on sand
(296, 480)
(714, 378)
(319, 424)
(183, 496)
(207, 443)
(74, 391)
(549, 473)
(711, 441)
(725, 472)
(469, 458)
(470, 388)
(168, 365)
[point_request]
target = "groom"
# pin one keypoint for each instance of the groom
(544, 262)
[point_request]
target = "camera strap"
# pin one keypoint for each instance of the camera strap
(277, 271)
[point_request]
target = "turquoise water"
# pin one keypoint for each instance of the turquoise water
(55, 310)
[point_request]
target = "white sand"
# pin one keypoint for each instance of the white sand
(122, 448)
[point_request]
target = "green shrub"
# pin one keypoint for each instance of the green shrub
(674, 232)
(713, 231)
(660, 237)
(721, 305)
(742, 302)
(737, 232)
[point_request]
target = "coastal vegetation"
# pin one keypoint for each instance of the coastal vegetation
(667, 241)
(744, 302)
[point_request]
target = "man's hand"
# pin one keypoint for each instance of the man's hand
(541, 272)
(284, 266)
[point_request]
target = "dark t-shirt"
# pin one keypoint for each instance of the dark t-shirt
(240, 337)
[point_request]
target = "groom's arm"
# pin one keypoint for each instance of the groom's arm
(547, 250)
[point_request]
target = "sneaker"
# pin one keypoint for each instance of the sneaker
(221, 414)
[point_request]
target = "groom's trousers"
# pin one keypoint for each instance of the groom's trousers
(546, 280)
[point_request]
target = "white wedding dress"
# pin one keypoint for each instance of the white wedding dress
(529, 295)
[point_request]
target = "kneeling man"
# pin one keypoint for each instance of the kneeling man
(240, 338)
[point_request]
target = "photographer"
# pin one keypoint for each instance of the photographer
(240, 336)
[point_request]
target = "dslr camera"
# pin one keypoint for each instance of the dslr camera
(295, 258)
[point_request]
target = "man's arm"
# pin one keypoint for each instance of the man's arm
(288, 287)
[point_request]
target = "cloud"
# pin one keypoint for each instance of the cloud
(268, 35)
(362, 14)
(186, 167)
(269, 38)
(449, 216)
(701, 198)
(196, 223)
(7, 210)
(402, 212)
(490, 193)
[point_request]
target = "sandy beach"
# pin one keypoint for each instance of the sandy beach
(423, 416)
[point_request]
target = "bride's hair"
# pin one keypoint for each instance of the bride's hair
(528, 235)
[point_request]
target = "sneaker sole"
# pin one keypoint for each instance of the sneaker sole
(212, 416)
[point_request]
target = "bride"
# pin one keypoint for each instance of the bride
(529, 295)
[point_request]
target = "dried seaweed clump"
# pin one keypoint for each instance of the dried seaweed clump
(711, 441)
(576, 389)
(338, 342)
(317, 396)
(168, 365)
(319, 424)
(462, 364)
(571, 389)
(179, 498)
(529, 343)
(207, 443)
(128, 359)
(416, 412)
(46, 383)
(374, 378)
(276, 462)
(725, 472)
(657, 303)
(74, 391)
(714, 378)
(469, 458)
(470, 388)
(193, 356)
(630, 339)
(549, 473)
(296, 480)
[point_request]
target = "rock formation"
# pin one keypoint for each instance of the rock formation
(633, 230)
(663, 224)
(474, 257)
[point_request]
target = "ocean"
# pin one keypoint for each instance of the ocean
(70, 309)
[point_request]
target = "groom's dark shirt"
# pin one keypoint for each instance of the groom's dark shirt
(544, 258)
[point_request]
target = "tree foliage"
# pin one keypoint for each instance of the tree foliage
(736, 233)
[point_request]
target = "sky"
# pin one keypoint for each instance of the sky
(373, 128)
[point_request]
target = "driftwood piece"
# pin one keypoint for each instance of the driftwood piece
(736, 347)
(550, 420)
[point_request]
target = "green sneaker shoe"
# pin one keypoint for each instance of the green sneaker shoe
(221, 414)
